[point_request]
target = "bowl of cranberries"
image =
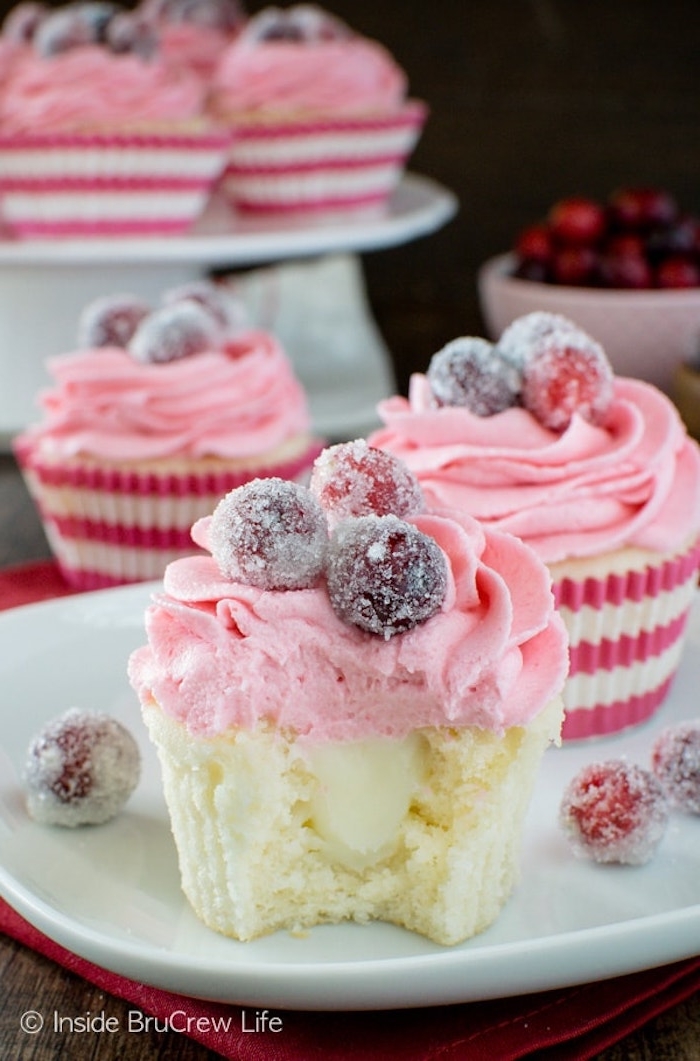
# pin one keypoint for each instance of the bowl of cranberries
(625, 269)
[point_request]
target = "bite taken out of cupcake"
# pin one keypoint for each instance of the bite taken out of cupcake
(159, 412)
(350, 698)
(322, 118)
(535, 435)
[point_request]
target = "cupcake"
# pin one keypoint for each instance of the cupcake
(157, 414)
(99, 136)
(349, 712)
(320, 114)
(535, 435)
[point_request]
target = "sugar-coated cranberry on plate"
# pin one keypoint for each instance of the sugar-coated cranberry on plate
(80, 769)
(614, 811)
(675, 760)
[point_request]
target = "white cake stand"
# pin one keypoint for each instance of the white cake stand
(44, 285)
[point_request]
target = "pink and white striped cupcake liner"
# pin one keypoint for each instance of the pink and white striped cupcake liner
(320, 165)
(626, 634)
(108, 525)
(107, 184)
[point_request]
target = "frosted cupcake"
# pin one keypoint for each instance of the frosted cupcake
(321, 116)
(99, 136)
(158, 414)
(534, 435)
(350, 713)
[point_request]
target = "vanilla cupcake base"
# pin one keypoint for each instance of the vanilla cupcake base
(626, 615)
(111, 523)
(319, 165)
(423, 833)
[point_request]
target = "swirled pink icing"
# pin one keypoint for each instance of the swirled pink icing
(238, 401)
(197, 48)
(221, 654)
(91, 87)
(354, 76)
(634, 481)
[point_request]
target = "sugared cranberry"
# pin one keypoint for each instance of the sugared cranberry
(675, 760)
(80, 769)
(221, 15)
(300, 23)
(229, 313)
(23, 20)
(130, 33)
(518, 339)
(72, 26)
(384, 575)
(577, 220)
(614, 811)
(472, 373)
(111, 320)
(566, 374)
(270, 533)
(355, 479)
(173, 332)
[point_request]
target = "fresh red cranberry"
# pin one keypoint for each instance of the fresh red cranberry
(641, 208)
(677, 271)
(384, 575)
(535, 272)
(575, 266)
(626, 270)
(270, 533)
(535, 243)
(614, 811)
(355, 479)
(577, 220)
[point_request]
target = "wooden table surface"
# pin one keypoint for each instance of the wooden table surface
(529, 102)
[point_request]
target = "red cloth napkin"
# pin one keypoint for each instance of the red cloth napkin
(571, 1024)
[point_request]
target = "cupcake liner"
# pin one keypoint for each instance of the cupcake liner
(110, 526)
(320, 165)
(626, 635)
(117, 184)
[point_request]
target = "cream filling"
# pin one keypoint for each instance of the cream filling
(365, 789)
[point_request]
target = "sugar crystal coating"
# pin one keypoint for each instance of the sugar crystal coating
(566, 373)
(229, 313)
(675, 760)
(471, 372)
(80, 769)
(111, 320)
(271, 533)
(355, 479)
(614, 811)
(22, 21)
(518, 338)
(300, 23)
(179, 330)
(384, 575)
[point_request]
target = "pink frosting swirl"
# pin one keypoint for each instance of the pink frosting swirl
(353, 76)
(239, 401)
(634, 481)
(91, 87)
(221, 654)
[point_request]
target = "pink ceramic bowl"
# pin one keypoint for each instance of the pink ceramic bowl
(645, 334)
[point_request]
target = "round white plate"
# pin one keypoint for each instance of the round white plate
(111, 893)
(220, 238)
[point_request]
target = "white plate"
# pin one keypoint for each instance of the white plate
(111, 893)
(219, 238)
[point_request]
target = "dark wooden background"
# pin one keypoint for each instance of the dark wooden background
(531, 100)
